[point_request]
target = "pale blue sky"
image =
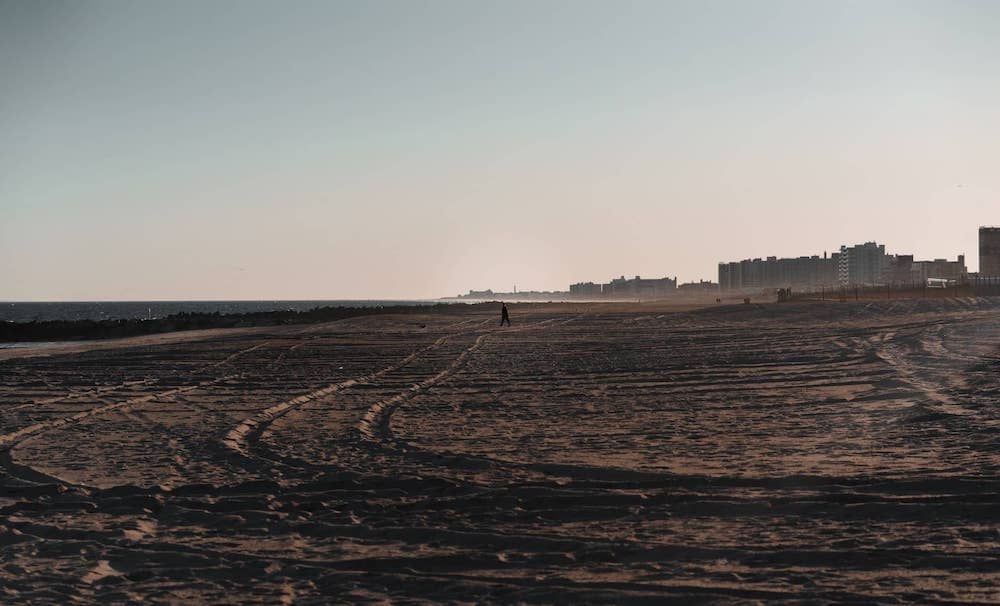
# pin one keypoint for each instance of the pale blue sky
(181, 150)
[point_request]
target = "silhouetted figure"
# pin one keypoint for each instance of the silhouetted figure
(504, 315)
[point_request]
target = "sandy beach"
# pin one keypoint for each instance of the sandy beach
(844, 452)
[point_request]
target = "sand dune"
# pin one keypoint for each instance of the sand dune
(814, 451)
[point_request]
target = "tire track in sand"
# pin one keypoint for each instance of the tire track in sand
(111, 389)
(8, 441)
(894, 355)
(374, 425)
(131, 409)
(240, 439)
(97, 391)
(12, 439)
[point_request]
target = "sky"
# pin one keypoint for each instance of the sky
(422, 148)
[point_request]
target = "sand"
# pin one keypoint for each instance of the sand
(812, 452)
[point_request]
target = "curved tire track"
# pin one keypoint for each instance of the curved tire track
(374, 425)
(8, 441)
(240, 439)
(375, 422)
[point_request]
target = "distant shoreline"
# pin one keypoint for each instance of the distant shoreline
(86, 329)
(41, 311)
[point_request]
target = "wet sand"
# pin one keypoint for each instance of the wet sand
(843, 452)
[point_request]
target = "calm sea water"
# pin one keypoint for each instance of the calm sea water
(108, 310)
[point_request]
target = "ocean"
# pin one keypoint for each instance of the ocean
(114, 310)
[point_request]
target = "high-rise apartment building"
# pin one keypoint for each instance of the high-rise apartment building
(772, 272)
(862, 264)
(989, 251)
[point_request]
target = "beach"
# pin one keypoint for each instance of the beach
(589, 453)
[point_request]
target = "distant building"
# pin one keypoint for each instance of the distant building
(862, 264)
(900, 270)
(585, 289)
(479, 294)
(698, 287)
(520, 295)
(989, 251)
(939, 268)
(639, 288)
(869, 264)
(772, 272)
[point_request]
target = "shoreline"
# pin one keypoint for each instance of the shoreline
(85, 329)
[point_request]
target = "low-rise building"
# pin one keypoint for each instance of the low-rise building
(903, 269)
(939, 268)
(479, 294)
(701, 286)
(639, 288)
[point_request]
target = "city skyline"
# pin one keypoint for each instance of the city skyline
(333, 151)
(816, 269)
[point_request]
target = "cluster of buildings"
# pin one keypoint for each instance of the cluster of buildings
(524, 295)
(773, 272)
(865, 264)
(620, 288)
(625, 288)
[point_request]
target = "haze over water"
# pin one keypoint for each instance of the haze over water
(325, 150)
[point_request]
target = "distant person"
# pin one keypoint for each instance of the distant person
(504, 315)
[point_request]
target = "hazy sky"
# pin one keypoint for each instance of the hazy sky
(176, 150)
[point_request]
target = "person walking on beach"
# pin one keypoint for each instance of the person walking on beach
(504, 315)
